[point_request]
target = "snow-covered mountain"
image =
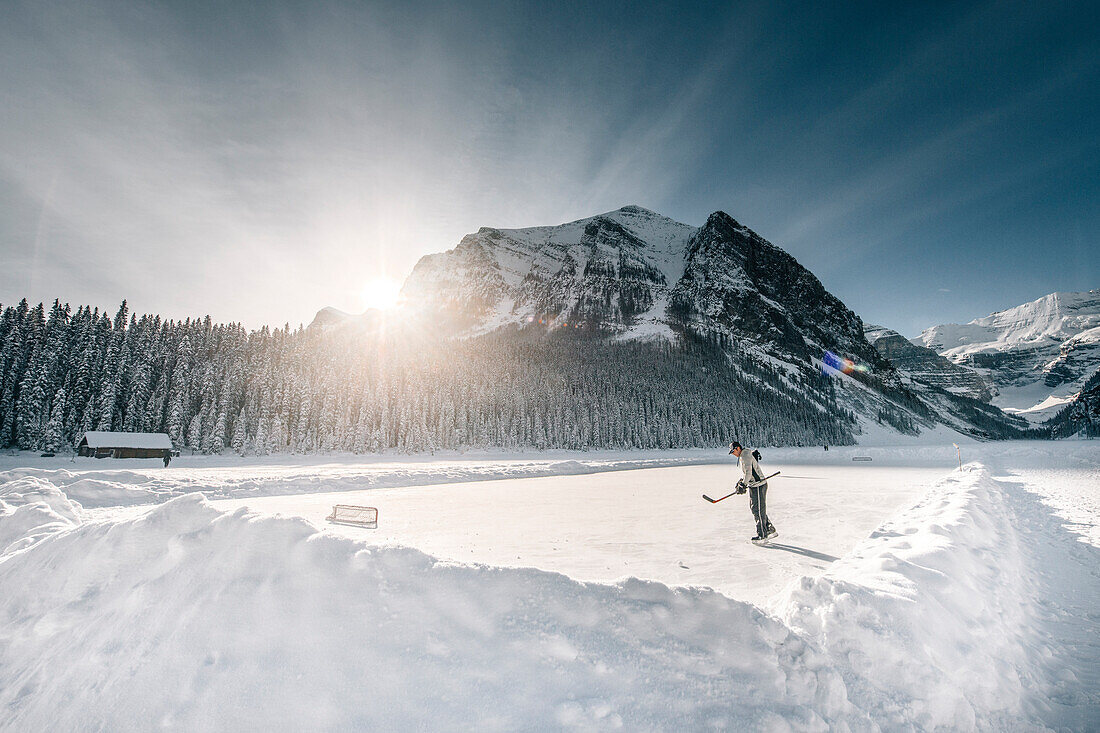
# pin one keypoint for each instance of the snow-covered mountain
(1037, 355)
(611, 272)
(634, 275)
(957, 395)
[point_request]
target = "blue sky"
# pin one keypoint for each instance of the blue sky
(930, 163)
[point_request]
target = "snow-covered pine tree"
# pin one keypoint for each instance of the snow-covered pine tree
(194, 432)
(54, 437)
(240, 433)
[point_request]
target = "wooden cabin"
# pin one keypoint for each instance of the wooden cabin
(104, 444)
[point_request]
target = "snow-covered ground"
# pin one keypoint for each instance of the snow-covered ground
(577, 591)
(1044, 410)
(102, 482)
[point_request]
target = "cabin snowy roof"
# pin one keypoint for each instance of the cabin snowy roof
(106, 439)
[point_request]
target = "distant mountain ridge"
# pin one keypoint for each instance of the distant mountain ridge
(958, 395)
(924, 364)
(1037, 356)
(330, 316)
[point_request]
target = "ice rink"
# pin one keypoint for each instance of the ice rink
(646, 523)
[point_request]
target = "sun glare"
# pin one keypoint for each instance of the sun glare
(381, 293)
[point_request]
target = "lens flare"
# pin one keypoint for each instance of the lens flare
(831, 365)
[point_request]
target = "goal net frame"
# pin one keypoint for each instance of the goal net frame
(354, 516)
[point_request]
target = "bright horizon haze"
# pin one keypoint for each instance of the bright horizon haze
(929, 164)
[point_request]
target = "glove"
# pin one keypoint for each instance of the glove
(740, 488)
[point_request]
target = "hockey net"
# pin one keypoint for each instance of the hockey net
(356, 516)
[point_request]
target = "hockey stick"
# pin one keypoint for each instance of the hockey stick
(755, 483)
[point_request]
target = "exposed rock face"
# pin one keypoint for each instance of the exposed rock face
(1037, 355)
(734, 280)
(958, 396)
(926, 365)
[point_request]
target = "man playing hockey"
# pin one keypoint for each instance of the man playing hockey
(756, 484)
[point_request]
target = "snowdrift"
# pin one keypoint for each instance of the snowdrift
(930, 618)
(192, 619)
(222, 478)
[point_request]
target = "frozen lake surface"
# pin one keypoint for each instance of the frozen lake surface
(645, 523)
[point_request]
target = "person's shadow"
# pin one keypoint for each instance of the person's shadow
(802, 551)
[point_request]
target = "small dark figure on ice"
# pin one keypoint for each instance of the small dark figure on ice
(167, 458)
(756, 484)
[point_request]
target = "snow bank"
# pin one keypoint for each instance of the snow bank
(189, 618)
(192, 619)
(97, 488)
(931, 615)
(31, 510)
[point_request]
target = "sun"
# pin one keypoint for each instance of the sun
(381, 293)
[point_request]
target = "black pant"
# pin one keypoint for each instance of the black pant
(758, 501)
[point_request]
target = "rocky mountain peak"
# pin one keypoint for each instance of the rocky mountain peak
(723, 221)
(639, 211)
(636, 273)
(736, 280)
(329, 316)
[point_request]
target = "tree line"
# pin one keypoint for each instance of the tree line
(215, 388)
